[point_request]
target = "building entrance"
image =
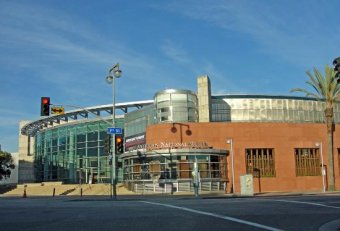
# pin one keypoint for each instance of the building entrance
(171, 170)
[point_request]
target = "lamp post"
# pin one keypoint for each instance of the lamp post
(323, 173)
(110, 79)
(230, 141)
(196, 176)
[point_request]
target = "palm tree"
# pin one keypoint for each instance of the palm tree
(328, 90)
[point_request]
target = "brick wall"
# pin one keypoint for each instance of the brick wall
(283, 137)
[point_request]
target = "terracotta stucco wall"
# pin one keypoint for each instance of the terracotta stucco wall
(283, 137)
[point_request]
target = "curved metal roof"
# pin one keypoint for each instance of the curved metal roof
(32, 128)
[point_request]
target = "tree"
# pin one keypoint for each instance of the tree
(6, 164)
(328, 90)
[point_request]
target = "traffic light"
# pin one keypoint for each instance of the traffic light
(107, 144)
(45, 106)
(119, 144)
(336, 63)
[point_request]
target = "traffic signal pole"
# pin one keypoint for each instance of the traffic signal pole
(113, 169)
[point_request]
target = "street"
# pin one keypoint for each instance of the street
(317, 212)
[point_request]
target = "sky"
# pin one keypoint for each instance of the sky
(64, 49)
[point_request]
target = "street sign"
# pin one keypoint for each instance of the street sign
(57, 110)
(114, 131)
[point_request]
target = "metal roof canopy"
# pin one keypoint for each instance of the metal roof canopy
(32, 128)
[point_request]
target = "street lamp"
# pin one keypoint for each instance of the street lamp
(110, 79)
(230, 141)
(323, 173)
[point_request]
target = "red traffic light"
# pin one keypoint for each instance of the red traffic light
(45, 100)
(45, 106)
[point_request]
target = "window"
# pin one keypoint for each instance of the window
(307, 162)
(260, 162)
(165, 118)
(166, 109)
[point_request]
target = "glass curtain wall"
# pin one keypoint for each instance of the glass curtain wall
(177, 167)
(270, 109)
(73, 153)
(137, 121)
(173, 105)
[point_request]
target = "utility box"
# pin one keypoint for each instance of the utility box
(247, 186)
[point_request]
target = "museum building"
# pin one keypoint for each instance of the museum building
(279, 140)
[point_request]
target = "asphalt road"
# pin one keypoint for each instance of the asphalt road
(171, 213)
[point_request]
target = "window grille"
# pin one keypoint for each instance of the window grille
(260, 162)
(307, 162)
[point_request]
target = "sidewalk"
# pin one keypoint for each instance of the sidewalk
(216, 195)
(205, 195)
(103, 191)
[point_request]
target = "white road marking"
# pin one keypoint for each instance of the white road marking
(215, 215)
(303, 202)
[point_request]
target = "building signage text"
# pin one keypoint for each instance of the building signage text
(177, 145)
(135, 142)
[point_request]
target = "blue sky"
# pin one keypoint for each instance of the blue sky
(64, 49)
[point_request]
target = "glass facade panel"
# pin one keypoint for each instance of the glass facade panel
(176, 106)
(176, 168)
(65, 152)
(270, 109)
(137, 121)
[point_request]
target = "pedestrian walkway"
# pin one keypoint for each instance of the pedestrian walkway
(60, 189)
